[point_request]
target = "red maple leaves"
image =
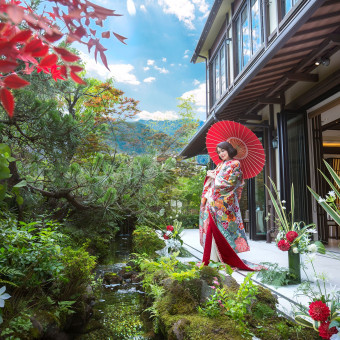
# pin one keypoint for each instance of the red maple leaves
(33, 46)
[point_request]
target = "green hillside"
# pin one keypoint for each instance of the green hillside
(136, 136)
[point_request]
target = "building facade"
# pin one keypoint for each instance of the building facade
(274, 66)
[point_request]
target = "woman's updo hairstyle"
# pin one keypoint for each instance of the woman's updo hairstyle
(232, 152)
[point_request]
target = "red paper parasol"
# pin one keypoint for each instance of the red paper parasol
(250, 151)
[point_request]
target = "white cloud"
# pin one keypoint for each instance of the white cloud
(196, 82)
(184, 9)
(146, 68)
(199, 96)
(186, 54)
(149, 79)
(131, 7)
(143, 8)
(202, 6)
(150, 62)
(164, 60)
(122, 73)
(172, 65)
(157, 115)
(161, 69)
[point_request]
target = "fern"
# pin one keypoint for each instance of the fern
(274, 275)
(9, 272)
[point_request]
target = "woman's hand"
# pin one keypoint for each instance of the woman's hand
(211, 173)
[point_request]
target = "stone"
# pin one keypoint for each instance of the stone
(177, 331)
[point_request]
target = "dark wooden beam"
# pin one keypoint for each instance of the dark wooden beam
(299, 76)
(335, 38)
(331, 150)
(250, 117)
(269, 100)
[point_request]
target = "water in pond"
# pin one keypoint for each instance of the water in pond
(117, 314)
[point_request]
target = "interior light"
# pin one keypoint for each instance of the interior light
(324, 61)
(331, 144)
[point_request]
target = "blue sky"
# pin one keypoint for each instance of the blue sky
(154, 67)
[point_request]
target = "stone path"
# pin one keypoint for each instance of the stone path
(260, 251)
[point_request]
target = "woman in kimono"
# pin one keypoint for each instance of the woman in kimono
(221, 227)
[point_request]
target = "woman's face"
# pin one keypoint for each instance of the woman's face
(223, 154)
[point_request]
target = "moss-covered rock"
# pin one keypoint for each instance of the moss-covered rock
(178, 300)
(265, 296)
(208, 274)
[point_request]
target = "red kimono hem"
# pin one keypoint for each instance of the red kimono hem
(227, 253)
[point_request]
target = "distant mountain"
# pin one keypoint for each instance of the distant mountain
(134, 136)
(167, 126)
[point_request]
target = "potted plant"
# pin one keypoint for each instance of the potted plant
(293, 236)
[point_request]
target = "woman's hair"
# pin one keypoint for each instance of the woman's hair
(232, 152)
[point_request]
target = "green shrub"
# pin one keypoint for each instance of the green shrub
(146, 240)
(33, 250)
(78, 264)
(189, 221)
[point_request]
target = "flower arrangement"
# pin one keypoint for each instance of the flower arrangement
(329, 203)
(292, 235)
(323, 312)
(173, 231)
(172, 237)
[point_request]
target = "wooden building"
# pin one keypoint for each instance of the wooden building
(274, 65)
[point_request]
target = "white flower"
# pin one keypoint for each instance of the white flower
(170, 217)
(295, 250)
(283, 207)
(3, 296)
(331, 193)
(283, 201)
(321, 200)
(311, 230)
(312, 248)
(176, 216)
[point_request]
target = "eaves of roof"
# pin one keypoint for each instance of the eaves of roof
(211, 18)
(308, 35)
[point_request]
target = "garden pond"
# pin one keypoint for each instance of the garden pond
(118, 314)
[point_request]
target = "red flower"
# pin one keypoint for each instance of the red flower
(325, 332)
(291, 236)
(283, 245)
(319, 311)
(170, 227)
(166, 237)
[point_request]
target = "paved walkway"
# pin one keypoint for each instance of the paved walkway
(260, 251)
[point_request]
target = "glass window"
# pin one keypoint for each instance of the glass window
(287, 5)
(244, 41)
(255, 25)
(217, 76)
(223, 73)
(248, 30)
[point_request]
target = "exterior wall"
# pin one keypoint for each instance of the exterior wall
(228, 30)
(300, 89)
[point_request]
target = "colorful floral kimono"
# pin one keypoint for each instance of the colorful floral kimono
(221, 227)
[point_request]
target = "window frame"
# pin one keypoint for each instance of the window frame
(238, 54)
(283, 7)
(215, 96)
